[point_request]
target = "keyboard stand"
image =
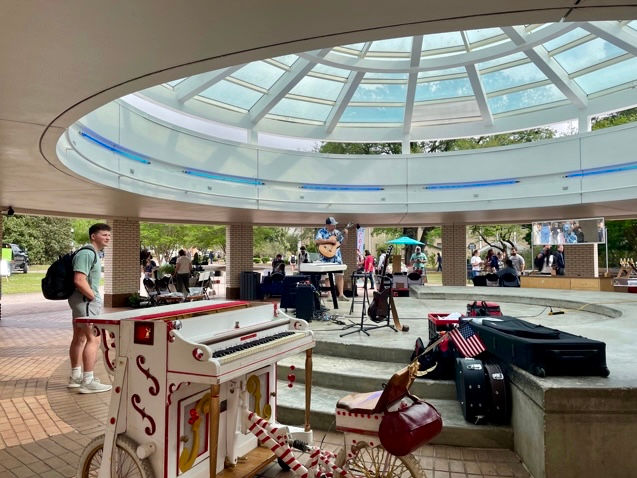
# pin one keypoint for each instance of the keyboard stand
(364, 302)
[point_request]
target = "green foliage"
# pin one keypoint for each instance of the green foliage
(622, 242)
(206, 237)
(167, 269)
(477, 142)
(614, 119)
(80, 230)
(501, 236)
(45, 238)
(163, 239)
(270, 241)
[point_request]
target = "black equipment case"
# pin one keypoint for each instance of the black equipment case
(498, 392)
(480, 308)
(471, 389)
(542, 350)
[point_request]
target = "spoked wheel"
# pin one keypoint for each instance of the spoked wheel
(127, 463)
(379, 463)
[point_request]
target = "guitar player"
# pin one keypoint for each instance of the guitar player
(329, 235)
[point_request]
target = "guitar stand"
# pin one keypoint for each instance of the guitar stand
(365, 302)
(389, 313)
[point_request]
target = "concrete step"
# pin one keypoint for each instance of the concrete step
(456, 431)
(359, 375)
(365, 351)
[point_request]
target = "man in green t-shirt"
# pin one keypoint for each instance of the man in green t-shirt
(418, 260)
(87, 302)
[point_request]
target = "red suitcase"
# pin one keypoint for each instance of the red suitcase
(480, 308)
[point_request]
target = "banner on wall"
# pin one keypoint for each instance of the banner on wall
(360, 240)
(572, 231)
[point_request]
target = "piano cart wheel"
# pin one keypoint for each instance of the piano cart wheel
(379, 463)
(127, 463)
(284, 466)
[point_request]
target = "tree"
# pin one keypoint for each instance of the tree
(164, 239)
(365, 148)
(614, 119)
(80, 230)
(45, 238)
(500, 236)
(206, 237)
(478, 142)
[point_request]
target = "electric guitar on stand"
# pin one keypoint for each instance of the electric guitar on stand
(383, 304)
(329, 250)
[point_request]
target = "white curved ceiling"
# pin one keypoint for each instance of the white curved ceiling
(63, 60)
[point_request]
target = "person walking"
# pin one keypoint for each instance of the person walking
(439, 262)
(183, 268)
(560, 262)
(476, 263)
(87, 302)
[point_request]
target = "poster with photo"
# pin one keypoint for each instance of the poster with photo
(571, 231)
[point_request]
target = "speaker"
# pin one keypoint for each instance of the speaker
(304, 302)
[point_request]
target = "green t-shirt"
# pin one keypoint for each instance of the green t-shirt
(83, 262)
(415, 257)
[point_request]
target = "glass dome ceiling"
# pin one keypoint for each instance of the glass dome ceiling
(399, 89)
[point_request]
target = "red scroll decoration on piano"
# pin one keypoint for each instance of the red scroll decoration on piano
(150, 430)
(108, 346)
(154, 390)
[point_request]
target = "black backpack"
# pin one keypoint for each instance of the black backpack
(58, 282)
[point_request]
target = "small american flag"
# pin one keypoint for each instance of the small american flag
(466, 341)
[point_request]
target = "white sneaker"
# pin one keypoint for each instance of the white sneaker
(74, 382)
(94, 387)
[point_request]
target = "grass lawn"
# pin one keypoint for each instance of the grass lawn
(26, 283)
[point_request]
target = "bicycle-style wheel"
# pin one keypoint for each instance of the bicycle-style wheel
(377, 462)
(127, 463)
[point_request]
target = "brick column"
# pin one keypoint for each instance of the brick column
(581, 260)
(348, 253)
(239, 250)
(454, 254)
(121, 263)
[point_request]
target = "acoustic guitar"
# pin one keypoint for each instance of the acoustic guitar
(329, 250)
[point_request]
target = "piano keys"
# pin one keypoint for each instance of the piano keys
(180, 372)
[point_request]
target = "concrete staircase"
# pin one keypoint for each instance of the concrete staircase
(340, 369)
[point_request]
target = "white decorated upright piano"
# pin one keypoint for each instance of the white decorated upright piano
(180, 372)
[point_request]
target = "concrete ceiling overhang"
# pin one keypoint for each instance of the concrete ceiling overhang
(62, 60)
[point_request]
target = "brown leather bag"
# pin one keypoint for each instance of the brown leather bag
(407, 429)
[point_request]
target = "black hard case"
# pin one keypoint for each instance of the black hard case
(542, 350)
(498, 393)
(471, 390)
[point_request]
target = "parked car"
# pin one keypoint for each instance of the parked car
(20, 258)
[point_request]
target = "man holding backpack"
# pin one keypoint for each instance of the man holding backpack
(85, 301)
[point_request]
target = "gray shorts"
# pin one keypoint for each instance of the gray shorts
(81, 307)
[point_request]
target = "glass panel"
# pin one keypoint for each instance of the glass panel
(301, 109)
(501, 61)
(380, 93)
(286, 59)
(510, 77)
(373, 114)
(475, 36)
(441, 40)
(448, 71)
(259, 73)
(232, 94)
(435, 90)
(387, 76)
(588, 54)
(394, 44)
(525, 99)
(633, 25)
(328, 70)
(565, 39)
(318, 88)
(175, 82)
(608, 77)
(355, 46)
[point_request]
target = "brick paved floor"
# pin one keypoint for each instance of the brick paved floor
(44, 427)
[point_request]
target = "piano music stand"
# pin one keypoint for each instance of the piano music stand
(365, 302)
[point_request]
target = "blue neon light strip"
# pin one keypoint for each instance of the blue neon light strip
(114, 149)
(597, 172)
(319, 187)
(484, 184)
(223, 177)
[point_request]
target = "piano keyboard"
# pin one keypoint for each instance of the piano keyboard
(252, 347)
